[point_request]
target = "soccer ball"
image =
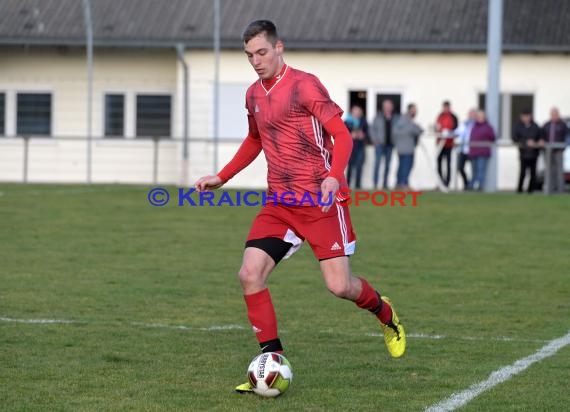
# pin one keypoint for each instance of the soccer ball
(270, 374)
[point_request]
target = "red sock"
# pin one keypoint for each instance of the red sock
(369, 299)
(262, 317)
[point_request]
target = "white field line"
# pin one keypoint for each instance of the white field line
(39, 321)
(220, 328)
(470, 338)
(213, 328)
(460, 399)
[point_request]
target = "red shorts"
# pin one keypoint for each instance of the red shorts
(330, 234)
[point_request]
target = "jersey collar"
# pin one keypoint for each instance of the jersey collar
(269, 84)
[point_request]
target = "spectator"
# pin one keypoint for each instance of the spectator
(445, 126)
(479, 153)
(406, 135)
(464, 133)
(381, 134)
(527, 134)
(356, 124)
(555, 132)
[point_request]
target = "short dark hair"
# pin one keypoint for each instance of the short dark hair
(258, 27)
(410, 105)
(446, 103)
(526, 111)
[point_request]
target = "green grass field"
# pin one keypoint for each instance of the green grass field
(159, 323)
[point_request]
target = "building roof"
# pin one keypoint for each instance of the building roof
(529, 25)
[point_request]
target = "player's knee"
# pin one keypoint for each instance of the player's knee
(339, 288)
(249, 276)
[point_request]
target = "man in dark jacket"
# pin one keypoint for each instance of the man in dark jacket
(555, 132)
(356, 124)
(528, 135)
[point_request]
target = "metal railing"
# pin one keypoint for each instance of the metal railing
(546, 149)
(154, 143)
(159, 145)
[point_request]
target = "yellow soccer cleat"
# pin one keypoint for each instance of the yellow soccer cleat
(394, 335)
(244, 388)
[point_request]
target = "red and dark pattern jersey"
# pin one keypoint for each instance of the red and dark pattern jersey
(288, 118)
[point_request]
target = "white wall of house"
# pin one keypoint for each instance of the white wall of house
(63, 72)
(424, 78)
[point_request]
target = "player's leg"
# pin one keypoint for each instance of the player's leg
(332, 239)
(255, 269)
(269, 241)
(343, 284)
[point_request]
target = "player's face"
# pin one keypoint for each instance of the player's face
(265, 58)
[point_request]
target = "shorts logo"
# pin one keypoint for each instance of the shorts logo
(256, 329)
(336, 246)
(256, 109)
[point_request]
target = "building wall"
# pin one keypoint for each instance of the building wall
(426, 79)
(63, 72)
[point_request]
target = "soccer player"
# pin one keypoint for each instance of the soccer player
(293, 120)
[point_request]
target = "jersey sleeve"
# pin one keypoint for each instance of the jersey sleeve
(316, 100)
(342, 146)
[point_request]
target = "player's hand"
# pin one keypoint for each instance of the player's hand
(329, 187)
(208, 183)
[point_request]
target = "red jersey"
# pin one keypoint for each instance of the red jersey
(288, 119)
(446, 121)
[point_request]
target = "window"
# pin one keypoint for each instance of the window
(33, 114)
(396, 99)
(114, 115)
(2, 114)
(153, 115)
(357, 98)
(520, 102)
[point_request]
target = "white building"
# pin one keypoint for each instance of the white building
(418, 51)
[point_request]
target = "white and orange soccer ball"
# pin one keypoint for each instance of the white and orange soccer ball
(270, 374)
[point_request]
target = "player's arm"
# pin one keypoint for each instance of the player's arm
(341, 154)
(342, 146)
(315, 98)
(247, 152)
